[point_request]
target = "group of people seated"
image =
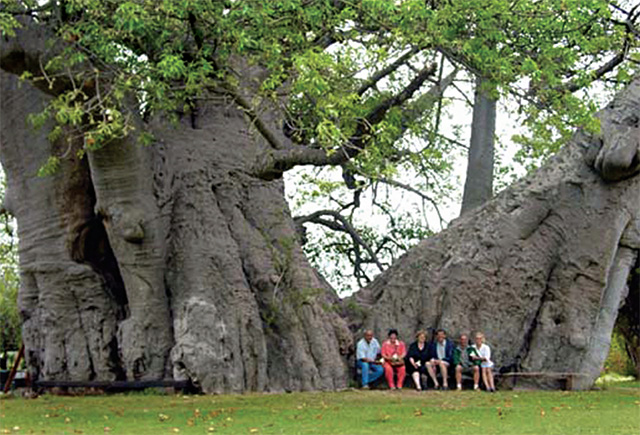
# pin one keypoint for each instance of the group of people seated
(422, 358)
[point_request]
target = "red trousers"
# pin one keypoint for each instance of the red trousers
(389, 371)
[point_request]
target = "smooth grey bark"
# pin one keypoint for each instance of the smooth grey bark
(542, 268)
(478, 186)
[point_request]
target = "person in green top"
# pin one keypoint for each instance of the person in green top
(463, 362)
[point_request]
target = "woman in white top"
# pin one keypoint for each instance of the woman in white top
(487, 365)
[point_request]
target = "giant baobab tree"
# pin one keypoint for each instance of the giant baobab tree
(144, 147)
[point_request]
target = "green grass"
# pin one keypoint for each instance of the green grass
(614, 410)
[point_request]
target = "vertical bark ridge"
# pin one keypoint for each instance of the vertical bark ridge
(122, 177)
(233, 254)
(56, 294)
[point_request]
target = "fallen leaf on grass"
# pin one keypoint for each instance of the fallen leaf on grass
(253, 430)
(211, 429)
(78, 431)
(175, 430)
(318, 417)
(190, 422)
(6, 431)
(418, 413)
(117, 411)
(163, 417)
(542, 413)
(67, 420)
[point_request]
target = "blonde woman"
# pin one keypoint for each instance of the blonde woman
(486, 365)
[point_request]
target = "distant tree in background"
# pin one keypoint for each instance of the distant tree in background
(10, 322)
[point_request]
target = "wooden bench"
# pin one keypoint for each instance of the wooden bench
(565, 378)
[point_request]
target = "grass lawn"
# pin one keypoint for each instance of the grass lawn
(614, 410)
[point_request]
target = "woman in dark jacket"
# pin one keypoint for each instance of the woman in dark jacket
(417, 357)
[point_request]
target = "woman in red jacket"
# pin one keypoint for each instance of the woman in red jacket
(393, 352)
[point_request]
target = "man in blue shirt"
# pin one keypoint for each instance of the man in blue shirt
(367, 353)
(440, 355)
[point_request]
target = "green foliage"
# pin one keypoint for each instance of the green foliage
(10, 322)
(8, 24)
(170, 52)
(50, 167)
(318, 59)
(618, 360)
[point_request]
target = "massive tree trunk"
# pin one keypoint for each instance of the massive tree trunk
(542, 269)
(166, 261)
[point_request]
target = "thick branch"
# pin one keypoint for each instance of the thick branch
(425, 102)
(574, 85)
(260, 125)
(378, 112)
(273, 164)
(374, 79)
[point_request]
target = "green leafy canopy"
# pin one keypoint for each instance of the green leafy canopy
(363, 78)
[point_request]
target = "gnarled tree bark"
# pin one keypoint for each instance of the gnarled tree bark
(198, 274)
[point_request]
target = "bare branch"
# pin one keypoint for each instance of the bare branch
(412, 189)
(339, 224)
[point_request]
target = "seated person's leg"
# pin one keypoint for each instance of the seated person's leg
(476, 377)
(376, 372)
(401, 370)
(432, 373)
(485, 381)
(459, 377)
(364, 368)
(388, 373)
(444, 371)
